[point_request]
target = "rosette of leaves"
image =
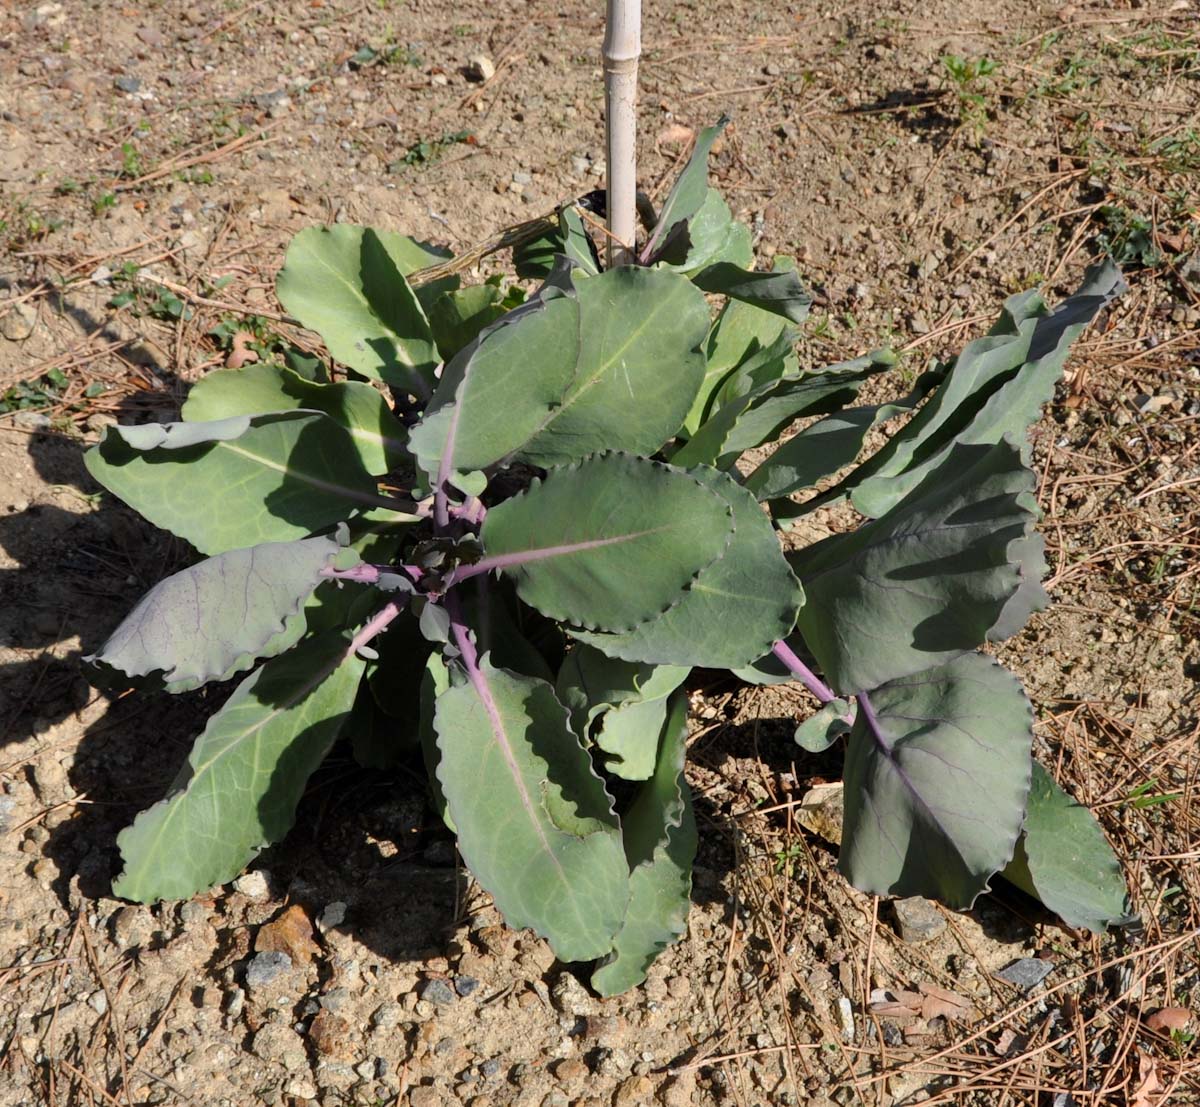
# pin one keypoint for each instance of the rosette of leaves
(504, 529)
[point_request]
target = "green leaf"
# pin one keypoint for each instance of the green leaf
(607, 543)
(779, 292)
(824, 447)
(819, 731)
(734, 611)
(740, 331)
(244, 777)
(261, 389)
(927, 581)
(497, 391)
(690, 189)
(214, 619)
(458, 317)
(280, 477)
(1064, 860)
(613, 365)
(590, 682)
(711, 236)
(534, 260)
(996, 386)
(766, 410)
(434, 681)
(937, 776)
(535, 824)
(659, 833)
(347, 284)
(627, 736)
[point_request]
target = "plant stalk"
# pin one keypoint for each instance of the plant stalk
(622, 49)
(803, 673)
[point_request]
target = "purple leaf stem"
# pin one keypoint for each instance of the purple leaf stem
(378, 623)
(370, 574)
(872, 720)
(802, 672)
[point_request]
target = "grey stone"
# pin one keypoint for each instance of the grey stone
(522, 178)
(1026, 972)
(571, 998)
(267, 968)
(127, 84)
(8, 805)
(465, 985)
(333, 915)
(438, 991)
(917, 920)
(387, 1016)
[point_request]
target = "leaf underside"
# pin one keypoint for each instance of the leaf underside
(263, 388)
(212, 620)
(936, 782)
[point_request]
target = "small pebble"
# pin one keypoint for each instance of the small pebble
(465, 985)
(266, 968)
(127, 84)
(253, 885)
(438, 991)
(917, 920)
(1026, 972)
(332, 916)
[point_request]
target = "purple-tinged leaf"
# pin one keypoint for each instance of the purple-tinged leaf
(937, 777)
(214, 619)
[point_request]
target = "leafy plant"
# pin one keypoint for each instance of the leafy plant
(969, 78)
(516, 564)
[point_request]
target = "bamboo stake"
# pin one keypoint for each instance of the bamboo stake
(622, 48)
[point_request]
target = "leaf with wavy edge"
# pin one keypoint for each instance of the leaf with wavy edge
(534, 822)
(244, 776)
(608, 542)
(1064, 860)
(733, 612)
(937, 776)
(348, 284)
(214, 619)
(590, 682)
(739, 332)
(236, 482)
(927, 581)
(996, 386)
(659, 833)
(262, 389)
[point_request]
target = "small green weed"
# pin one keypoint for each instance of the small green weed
(1128, 238)
(424, 152)
(969, 78)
